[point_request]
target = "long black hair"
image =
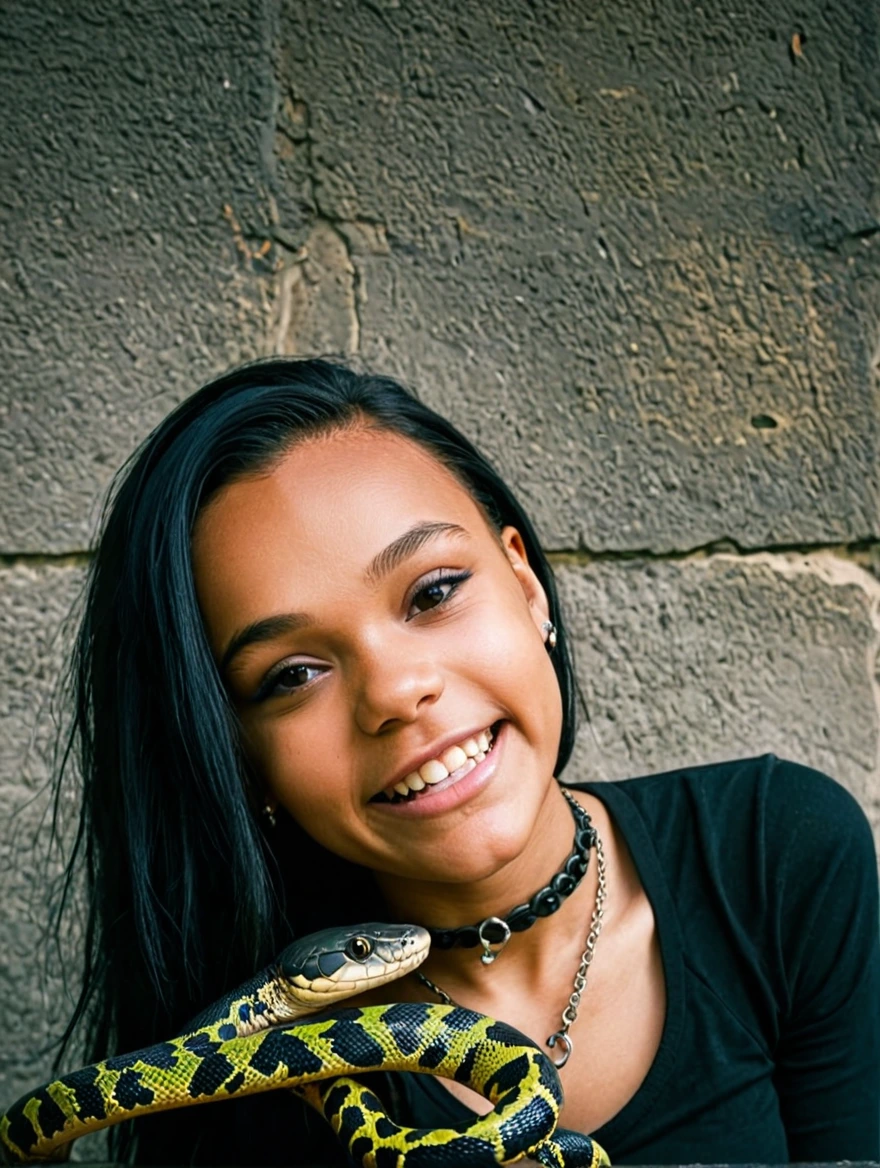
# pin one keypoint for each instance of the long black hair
(187, 892)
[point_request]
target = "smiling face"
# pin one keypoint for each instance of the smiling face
(367, 619)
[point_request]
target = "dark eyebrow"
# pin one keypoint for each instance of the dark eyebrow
(386, 561)
(263, 630)
(407, 545)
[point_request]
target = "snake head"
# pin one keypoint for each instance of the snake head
(335, 964)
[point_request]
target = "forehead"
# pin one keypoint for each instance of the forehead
(317, 518)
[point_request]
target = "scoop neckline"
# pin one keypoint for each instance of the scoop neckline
(628, 820)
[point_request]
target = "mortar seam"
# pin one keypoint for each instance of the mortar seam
(859, 552)
(73, 559)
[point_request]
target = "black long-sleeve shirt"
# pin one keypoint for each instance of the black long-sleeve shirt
(763, 880)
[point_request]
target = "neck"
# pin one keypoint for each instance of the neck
(450, 905)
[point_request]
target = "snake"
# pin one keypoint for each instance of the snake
(289, 1027)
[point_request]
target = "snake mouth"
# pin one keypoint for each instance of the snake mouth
(394, 796)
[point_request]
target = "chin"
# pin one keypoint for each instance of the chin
(484, 845)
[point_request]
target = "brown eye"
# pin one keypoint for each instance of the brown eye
(430, 597)
(437, 592)
(358, 948)
(288, 680)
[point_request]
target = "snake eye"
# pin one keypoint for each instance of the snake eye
(358, 948)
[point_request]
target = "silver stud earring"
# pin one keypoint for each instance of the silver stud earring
(269, 813)
(549, 628)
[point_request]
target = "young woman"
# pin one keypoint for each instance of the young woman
(323, 677)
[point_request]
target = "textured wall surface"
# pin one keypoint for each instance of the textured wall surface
(630, 248)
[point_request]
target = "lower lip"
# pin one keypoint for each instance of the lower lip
(437, 802)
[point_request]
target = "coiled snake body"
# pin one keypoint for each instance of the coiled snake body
(266, 1035)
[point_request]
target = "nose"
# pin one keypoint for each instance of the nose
(397, 683)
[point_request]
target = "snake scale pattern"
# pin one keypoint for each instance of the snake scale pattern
(276, 1031)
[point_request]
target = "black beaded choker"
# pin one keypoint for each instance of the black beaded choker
(496, 931)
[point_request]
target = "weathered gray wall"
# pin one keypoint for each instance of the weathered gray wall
(632, 248)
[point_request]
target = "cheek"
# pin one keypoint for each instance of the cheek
(520, 669)
(301, 763)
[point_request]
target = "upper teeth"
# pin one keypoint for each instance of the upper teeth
(435, 770)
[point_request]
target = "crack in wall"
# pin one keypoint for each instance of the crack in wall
(357, 290)
(319, 286)
(315, 302)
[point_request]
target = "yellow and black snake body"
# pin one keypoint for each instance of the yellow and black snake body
(267, 1035)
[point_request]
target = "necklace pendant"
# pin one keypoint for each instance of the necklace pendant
(562, 1038)
(492, 931)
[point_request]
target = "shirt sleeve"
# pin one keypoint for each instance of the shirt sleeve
(828, 1052)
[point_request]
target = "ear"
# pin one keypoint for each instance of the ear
(515, 550)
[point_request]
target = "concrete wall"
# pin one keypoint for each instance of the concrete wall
(630, 247)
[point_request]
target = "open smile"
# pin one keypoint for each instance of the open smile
(430, 787)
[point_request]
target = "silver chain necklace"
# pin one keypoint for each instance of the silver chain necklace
(562, 1037)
